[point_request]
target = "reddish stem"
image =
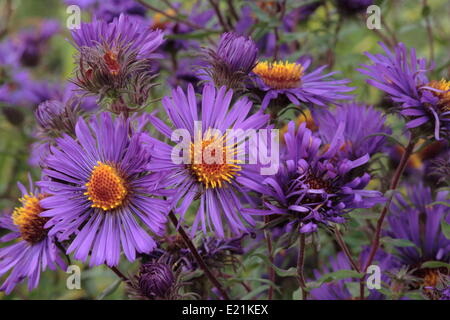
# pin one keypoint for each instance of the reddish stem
(394, 183)
(197, 256)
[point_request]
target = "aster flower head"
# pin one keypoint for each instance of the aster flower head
(109, 10)
(417, 218)
(214, 182)
(232, 61)
(103, 196)
(218, 252)
(155, 281)
(362, 124)
(197, 14)
(113, 55)
(314, 185)
(338, 289)
(30, 44)
(424, 103)
(29, 248)
(54, 117)
(290, 81)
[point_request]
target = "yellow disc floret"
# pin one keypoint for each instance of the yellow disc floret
(280, 75)
(444, 96)
(212, 162)
(29, 220)
(106, 189)
(160, 20)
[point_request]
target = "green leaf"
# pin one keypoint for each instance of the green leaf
(255, 292)
(354, 287)
(291, 272)
(388, 136)
(447, 204)
(445, 228)
(435, 264)
(333, 276)
(397, 242)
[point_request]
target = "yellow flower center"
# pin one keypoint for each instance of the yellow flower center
(106, 189)
(28, 219)
(305, 116)
(212, 162)
(431, 278)
(160, 21)
(280, 75)
(444, 97)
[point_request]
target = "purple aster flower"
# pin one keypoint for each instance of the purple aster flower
(30, 44)
(197, 14)
(338, 289)
(230, 64)
(267, 43)
(17, 87)
(418, 219)
(289, 80)
(102, 191)
(108, 10)
(33, 249)
(111, 9)
(113, 56)
(155, 280)
(185, 74)
(123, 32)
(300, 14)
(56, 117)
(214, 181)
(362, 123)
(313, 185)
(445, 293)
(53, 116)
(219, 252)
(402, 76)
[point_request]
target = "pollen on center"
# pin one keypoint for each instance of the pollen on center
(222, 167)
(280, 75)
(106, 189)
(28, 218)
(112, 62)
(444, 96)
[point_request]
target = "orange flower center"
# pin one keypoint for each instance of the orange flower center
(160, 21)
(28, 219)
(431, 278)
(213, 163)
(444, 97)
(106, 189)
(112, 63)
(280, 75)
